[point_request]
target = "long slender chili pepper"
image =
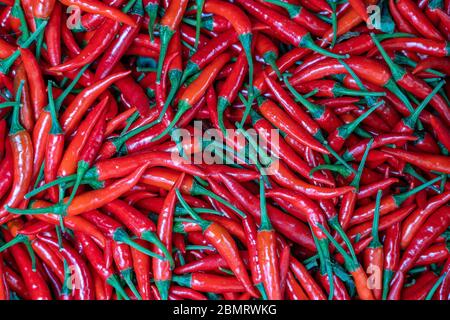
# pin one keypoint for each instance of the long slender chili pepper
(161, 269)
(409, 10)
(373, 254)
(314, 216)
(22, 155)
(142, 268)
(94, 257)
(224, 244)
(432, 228)
(97, 7)
(354, 268)
(89, 200)
(417, 218)
(428, 161)
(302, 16)
(412, 84)
(33, 279)
(54, 150)
(388, 203)
(75, 111)
(290, 31)
(195, 90)
(168, 26)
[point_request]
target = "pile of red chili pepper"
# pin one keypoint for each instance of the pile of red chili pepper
(94, 205)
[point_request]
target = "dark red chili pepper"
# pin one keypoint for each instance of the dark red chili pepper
(409, 10)
(75, 111)
(22, 155)
(33, 279)
(207, 282)
(224, 244)
(289, 31)
(414, 222)
(285, 224)
(161, 269)
(432, 228)
(391, 260)
(434, 254)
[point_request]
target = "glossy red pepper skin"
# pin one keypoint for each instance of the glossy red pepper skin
(432, 228)
(120, 44)
(75, 111)
(4, 289)
(282, 222)
(33, 279)
(97, 7)
(142, 268)
(6, 170)
(414, 221)
(409, 10)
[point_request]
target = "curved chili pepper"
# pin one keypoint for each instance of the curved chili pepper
(432, 228)
(33, 279)
(431, 162)
(22, 155)
(97, 7)
(195, 91)
(409, 10)
(93, 255)
(93, 50)
(168, 26)
(225, 245)
(302, 16)
(353, 266)
(414, 222)
(289, 31)
(285, 224)
(75, 111)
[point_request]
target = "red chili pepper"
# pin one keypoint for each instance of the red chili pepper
(302, 16)
(434, 254)
(206, 282)
(120, 44)
(432, 228)
(414, 222)
(27, 110)
(6, 170)
(288, 30)
(225, 245)
(22, 155)
(169, 25)
(161, 269)
(33, 279)
(290, 227)
(97, 7)
(313, 290)
(75, 111)
(409, 10)
(391, 248)
(388, 203)
(142, 268)
(4, 289)
(426, 161)
(444, 288)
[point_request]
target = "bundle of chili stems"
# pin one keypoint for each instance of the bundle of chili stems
(327, 177)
